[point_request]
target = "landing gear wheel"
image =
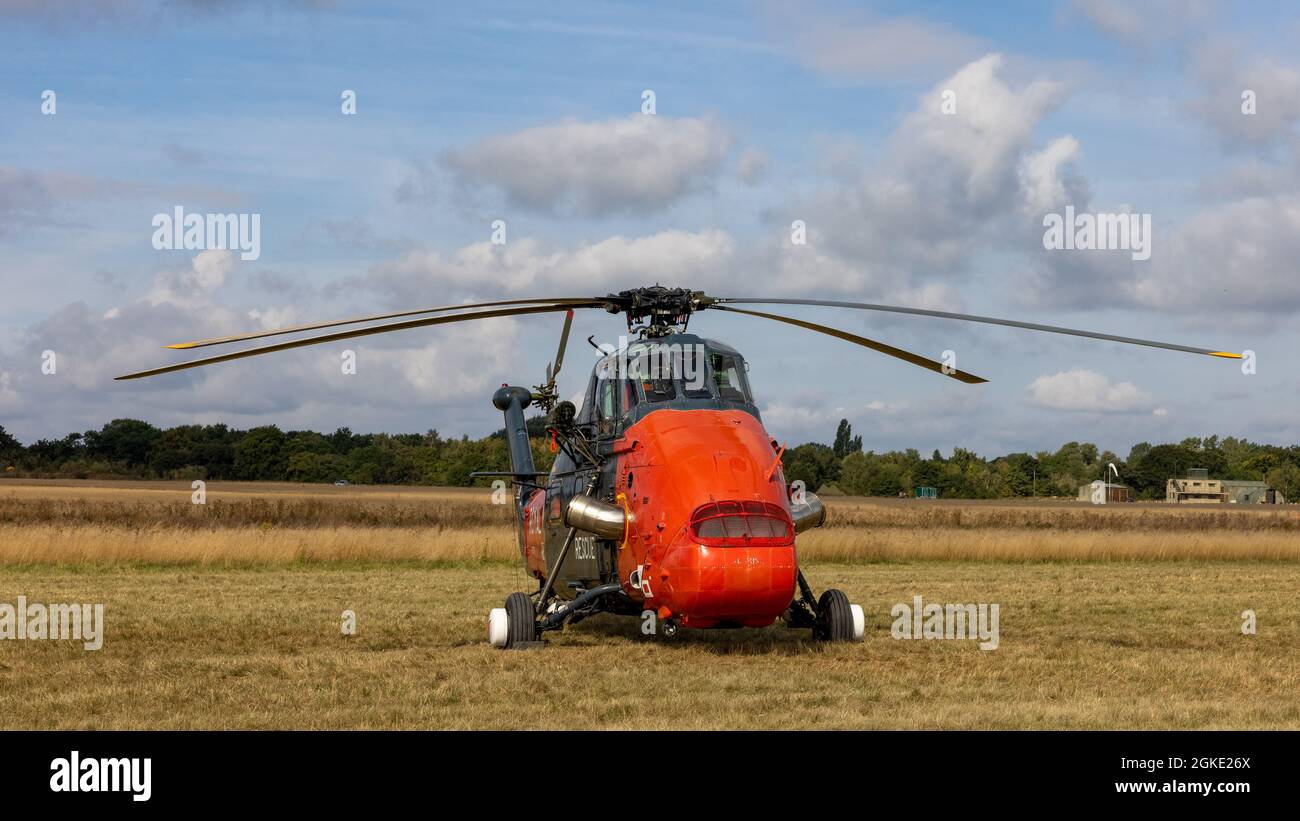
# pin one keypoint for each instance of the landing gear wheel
(513, 625)
(670, 628)
(837, 620)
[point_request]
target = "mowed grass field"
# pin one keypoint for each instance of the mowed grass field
(227, 615)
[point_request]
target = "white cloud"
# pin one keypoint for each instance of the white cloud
(1142, 25)
(1222, 73)
(888, 408)
(1239, 256)
(1230, 261)
(206, 274)
(527, 267)
(1042, 185)
(275, 317)
(636, 164)
(448, 369)
(872, 49)
(944, 188)
(1086, 390)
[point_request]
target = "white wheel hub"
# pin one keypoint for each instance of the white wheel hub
(859, 621)
(498, 627)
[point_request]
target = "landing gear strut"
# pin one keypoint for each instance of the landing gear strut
(831, 617)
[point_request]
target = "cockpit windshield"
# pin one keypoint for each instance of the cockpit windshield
(665, 371)
(729, 378)
(656, 372)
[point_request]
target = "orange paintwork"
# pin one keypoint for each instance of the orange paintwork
(535, 535)
(675, 461)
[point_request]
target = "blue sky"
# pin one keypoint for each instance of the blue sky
(764, 115)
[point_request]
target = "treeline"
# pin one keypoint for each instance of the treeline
(131, 449)
(845, 468)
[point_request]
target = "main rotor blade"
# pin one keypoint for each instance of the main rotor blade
(315, 326)
(899, 353)
(1032, 326)
(564, 343)
(338, 335)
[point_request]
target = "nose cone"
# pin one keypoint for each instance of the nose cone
(749, 586)
(685, 461)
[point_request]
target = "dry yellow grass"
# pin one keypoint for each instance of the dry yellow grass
(159, 544)
(236, 504)
(155, 522)
(227, 616)
(864, 544)
(1056, 515)
(1137, 645)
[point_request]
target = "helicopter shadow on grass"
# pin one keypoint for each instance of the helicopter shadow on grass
(776, 640)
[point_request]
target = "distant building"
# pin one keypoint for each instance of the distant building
(1195, 488)
(1251, 493)
(1114, 492)
(1198, 488)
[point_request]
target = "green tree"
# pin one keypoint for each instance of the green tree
(311, 466)
(1149, 475)
(1286, 480)
(845, 441)
(259, 455)
(10, 448)
(816, 465)
(128, 441)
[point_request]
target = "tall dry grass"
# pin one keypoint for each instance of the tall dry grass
(911, 514)
(861, 544)
(220, 514)
(156, 523)
(235, 546)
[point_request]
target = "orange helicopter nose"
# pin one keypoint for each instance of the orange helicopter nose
(735, 565)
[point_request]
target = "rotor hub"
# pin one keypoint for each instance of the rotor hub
(657, 311)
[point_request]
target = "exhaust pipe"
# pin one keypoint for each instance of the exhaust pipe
(594, 516)
(808, 514)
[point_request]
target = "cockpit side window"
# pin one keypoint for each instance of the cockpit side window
(627, 396)
(605, 397)
(729, 378)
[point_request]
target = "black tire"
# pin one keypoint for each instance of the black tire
(834, 618)
(521, 622)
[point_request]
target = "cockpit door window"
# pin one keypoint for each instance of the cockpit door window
(729, 378)
(605, 406)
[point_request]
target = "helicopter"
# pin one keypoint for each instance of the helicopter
(667, 499)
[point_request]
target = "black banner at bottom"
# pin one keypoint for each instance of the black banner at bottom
(144, 771)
